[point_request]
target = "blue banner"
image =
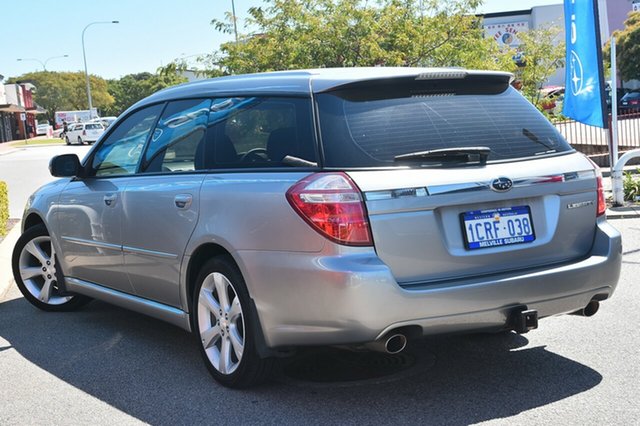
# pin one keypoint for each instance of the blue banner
(584, 81)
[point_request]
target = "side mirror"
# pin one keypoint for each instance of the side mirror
(66, 165)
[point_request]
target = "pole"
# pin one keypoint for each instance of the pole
(33, 59)
(44, 66)
(84, 57)
(235, 25)
(86, 73)
(616, 175)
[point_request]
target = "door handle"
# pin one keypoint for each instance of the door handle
(110, 199)
(183, 201)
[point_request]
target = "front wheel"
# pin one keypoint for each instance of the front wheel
(224, 324)
(37, 272)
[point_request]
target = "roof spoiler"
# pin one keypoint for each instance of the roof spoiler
(451, 81)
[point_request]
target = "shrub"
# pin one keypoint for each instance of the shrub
(4, 208)
(631, 186)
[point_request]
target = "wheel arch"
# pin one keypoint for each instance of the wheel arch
(198, 258)
(32, 219)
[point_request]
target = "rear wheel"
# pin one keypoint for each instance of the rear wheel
(224, 325)
(37, 272)
(66, 139)
(79, 140)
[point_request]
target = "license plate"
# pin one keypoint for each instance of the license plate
(497, 227)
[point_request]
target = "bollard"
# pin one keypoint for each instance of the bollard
(616, 176)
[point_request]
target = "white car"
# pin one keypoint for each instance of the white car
(42, 128)
(83, 133)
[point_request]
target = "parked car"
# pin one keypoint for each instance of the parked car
(105, 121)
(630, 102)
(356, 207)
(42, 128)
(59, 133)
(620, 92)
(83, 133)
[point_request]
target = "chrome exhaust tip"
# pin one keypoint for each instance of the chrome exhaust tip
(395, 343)
(390, 344)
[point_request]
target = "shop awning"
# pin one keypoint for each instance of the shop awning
(37, 110)
(11, 108)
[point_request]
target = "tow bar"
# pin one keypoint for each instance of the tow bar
(524, 320)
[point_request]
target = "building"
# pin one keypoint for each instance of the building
(10, 110)
(19, 98)
(505, 26)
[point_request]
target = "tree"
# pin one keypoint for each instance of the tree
(64, 91)
(294, 34)
(543, 54)
(627, 48)
(133, 87)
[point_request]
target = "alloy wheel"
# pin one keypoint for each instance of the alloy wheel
(37, 266)
(221, 323)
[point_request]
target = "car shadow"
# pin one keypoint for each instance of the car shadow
(153, 372)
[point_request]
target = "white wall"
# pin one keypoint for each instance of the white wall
(13, 93)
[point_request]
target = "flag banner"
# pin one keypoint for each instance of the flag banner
(584, 80)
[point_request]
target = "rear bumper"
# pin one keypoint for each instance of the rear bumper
(314, 299)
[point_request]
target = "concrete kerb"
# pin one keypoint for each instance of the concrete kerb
(624, 212)
(6, 249)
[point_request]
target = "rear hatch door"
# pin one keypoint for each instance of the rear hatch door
(532, 201)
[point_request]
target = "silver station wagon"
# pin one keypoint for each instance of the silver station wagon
(357, 207)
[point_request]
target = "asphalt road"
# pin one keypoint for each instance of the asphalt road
(26, 169)
(105, 365)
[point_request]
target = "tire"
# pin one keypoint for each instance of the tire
(228, 329)
(79, 140)
(36, 279)
(66, 139)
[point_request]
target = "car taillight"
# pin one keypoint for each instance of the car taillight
(602, 202)
(84, 133)
(332, 204)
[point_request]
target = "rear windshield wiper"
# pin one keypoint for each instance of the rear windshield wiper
(463, 155)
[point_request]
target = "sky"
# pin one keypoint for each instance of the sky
(150, 33)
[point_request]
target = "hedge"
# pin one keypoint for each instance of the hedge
(4, 208)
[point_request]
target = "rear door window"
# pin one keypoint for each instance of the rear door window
(366, 130)
(261, 132)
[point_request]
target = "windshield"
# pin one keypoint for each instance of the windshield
(362, 130)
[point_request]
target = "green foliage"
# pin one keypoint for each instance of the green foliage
(543, 55)
(627, 48)
(133, 87)
(4, 208)
(631, 186)
(66, 91)
(209, 66)
(295, 34)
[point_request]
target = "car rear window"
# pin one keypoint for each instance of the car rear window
(368, 130)
(93, 126)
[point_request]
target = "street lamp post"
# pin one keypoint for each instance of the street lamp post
(44, 64)
(84, 57)
(235, 25)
